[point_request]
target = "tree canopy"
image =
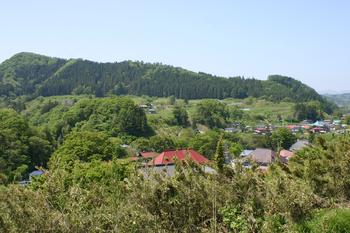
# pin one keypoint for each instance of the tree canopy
(21, 147)
(212, 113)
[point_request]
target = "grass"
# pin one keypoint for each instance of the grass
(328, 221)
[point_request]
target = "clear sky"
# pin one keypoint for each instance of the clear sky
(305, 39)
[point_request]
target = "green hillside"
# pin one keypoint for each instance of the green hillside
(342, 100)
(37, 75)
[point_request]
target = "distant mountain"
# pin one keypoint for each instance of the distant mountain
(34, 75)
(342, 100)
(332, 92)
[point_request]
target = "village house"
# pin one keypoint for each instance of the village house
(232, 130)
(285, 155)
(169, 156)
(147, 155)
(295, 128)
(337, 122)
(151, 109)
(165, 161)
(144, 157)
(320, 127)
(300, 144)
(261, 130)
(235, 127)
(262, 156)
(32, 175)
(246, 153)
(35, 173)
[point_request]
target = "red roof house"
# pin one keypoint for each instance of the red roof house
(285, 155)
(292, 127)
(168, 157)
(145, 155)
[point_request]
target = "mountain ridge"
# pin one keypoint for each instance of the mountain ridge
(342, 100)
(32, 74)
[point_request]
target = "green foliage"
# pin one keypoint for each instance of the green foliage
(48, 106)
(236, 149)
(21, 148)
(87, 198)
(83, 146)
(120, 152)
(233, 218)
(291, 88)
(219, 157)
(328, 221)
(114, 116)
(347, 120)
(205, 143)
(282, 138)
(103, 173)
(39, 150)
(32, 74)
(83, 90)
(256, 141)
(155, 143)
(212, 114)
(236, 113)
(161, 143)
(101, 196)
(23, 210)
(91, 187)
(325, 167)
(172, 100)
(24, 72)
(181, 116)
(308, 111)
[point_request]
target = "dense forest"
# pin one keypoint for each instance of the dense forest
(37, 75)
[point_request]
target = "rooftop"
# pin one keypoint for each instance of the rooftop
(168, 157)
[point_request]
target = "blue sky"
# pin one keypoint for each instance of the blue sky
(307, 40)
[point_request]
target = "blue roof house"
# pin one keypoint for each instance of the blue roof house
(35, 174)
(318, 124)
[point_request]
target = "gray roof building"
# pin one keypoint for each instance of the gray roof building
(299, 145)
(263, 156)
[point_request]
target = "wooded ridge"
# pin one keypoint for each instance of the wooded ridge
(37, 75)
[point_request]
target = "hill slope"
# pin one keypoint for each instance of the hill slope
(33, 74)
(342, 100)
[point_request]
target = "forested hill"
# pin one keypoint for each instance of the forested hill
(35, 75)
